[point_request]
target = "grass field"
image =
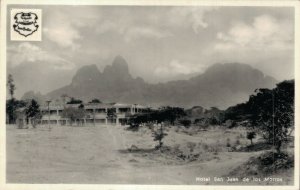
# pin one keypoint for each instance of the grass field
(99, 155)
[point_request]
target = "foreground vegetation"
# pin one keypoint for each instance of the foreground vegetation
(269, 113)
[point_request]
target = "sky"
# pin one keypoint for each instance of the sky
(160, 43)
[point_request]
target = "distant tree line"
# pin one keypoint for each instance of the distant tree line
(163, 114)
(212, 116)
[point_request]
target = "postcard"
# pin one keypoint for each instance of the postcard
(149, 94)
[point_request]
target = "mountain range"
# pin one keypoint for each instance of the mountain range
(221, 85)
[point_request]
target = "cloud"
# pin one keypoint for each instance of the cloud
(64, 36)
(131, 31)
(152, 23)
(27, 52)
(264, 32)
(134, 33)
(100, 52)
(266, 42)
(63, 31)
(176, 67)
(190, 17)
(108, 26)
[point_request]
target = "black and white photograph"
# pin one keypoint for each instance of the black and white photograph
(150, 94)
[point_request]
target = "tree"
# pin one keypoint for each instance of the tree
(269, 111)
(11, 86)
(81, 106)
(169, 114)
(158, 136)
(11, 110)
(111, 114)
(73, 114)
(11, 107)
(250, 136)
(74, 101)
(238, 112)
(273, 111)
(95, 100)
(214, 116)
(11, 89)
(185, 122)
(33, 113)
(137, 119)
(164, 114)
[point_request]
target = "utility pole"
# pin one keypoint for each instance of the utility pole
(48, 102)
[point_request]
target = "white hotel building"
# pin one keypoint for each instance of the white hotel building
(95, 113)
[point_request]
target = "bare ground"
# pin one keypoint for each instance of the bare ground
(99, 154)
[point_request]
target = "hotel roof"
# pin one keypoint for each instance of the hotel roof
(92, 106)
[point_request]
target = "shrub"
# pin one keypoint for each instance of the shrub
(215, 149)
(133, 127)
(250, 136)
(158, 136)
(185, 122)
(237, 142)
(191, 146)
(205, 147)
(272, 161)
(228, 142)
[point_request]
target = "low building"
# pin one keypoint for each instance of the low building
(95, 113)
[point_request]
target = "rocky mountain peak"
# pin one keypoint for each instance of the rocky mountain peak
(120, 61)
(221, 85)
(85, 74)
(118, 68)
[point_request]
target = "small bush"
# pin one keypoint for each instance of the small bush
(185, 122)
(250, 136)
(273, 161)
(158, 135)
(133, 127)
(215, 149)
(205, 147)
(191, 146)
(228, 142)
(237, 142)
(176, 146)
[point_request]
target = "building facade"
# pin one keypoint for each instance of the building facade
(94, 113)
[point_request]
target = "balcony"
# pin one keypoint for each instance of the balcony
(53, 116)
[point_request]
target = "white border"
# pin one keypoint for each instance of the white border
(4, 3)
